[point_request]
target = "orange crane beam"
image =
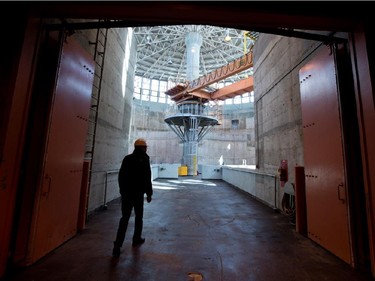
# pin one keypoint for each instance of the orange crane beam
(234, 67)
(238, 88)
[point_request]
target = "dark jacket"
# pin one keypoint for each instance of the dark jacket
(135, 174)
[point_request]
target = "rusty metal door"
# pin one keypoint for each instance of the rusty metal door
(57, 205)
(326, 193)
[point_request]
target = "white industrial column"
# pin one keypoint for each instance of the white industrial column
(193, 43)
(190, 124)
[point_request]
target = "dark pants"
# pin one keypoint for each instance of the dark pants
(127, 204)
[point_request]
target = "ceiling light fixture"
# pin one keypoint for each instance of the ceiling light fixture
(227, 37)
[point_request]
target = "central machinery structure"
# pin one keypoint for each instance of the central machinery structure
(191, 123)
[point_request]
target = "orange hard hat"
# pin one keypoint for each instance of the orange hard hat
(140, 142)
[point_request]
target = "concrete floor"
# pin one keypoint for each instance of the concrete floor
(195, 230)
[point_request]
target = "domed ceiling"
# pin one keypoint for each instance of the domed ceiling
(161, 50)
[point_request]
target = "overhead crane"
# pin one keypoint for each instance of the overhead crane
(195, 89)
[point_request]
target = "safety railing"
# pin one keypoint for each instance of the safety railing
(107, 173)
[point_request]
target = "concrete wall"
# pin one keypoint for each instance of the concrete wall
(278, 119)
(115, 111)
(163, 144)
(231, 147)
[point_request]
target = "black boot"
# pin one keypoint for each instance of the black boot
(138, 241)
(116, 250)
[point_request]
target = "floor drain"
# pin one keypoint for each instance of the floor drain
(194, 276)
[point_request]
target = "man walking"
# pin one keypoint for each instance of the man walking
(134, 181)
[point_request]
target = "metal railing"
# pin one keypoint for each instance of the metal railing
(104, 206)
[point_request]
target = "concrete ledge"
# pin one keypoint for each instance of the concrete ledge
(260, 186)
(212, 172)
(168, 171)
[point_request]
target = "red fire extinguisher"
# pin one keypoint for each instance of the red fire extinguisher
(283, 172)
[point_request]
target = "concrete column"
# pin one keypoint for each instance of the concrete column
(193, 43)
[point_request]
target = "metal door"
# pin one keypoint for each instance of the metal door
(57, 205)
(326, 193)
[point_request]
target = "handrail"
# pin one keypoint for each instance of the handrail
(105, 187)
